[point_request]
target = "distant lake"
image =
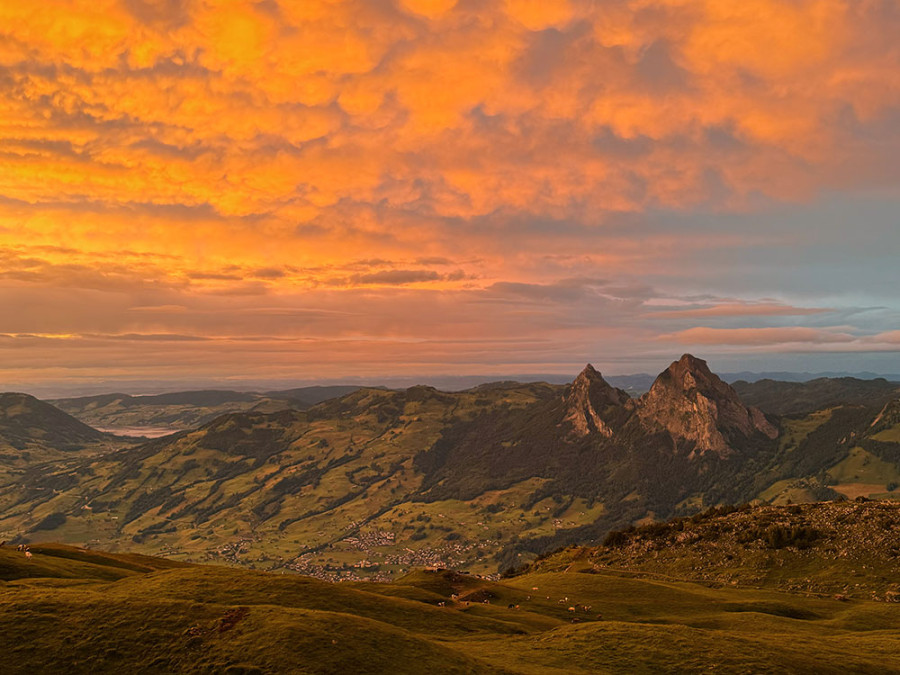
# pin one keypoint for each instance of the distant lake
(148, 432)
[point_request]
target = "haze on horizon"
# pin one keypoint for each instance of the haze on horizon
(326, 189)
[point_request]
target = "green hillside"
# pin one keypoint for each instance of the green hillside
(74, 611)
(798, 398)
(377, 482)
(26, 422)
(269, 489)
(34, 433)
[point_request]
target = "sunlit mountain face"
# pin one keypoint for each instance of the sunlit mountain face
(327, 188)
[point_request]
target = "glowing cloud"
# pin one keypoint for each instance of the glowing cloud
(186, 154)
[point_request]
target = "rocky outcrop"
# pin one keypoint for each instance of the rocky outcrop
(888, 418)
(593, 406)
(694, 405)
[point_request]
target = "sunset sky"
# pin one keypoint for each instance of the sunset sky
(325, 189)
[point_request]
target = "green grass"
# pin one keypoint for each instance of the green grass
(788, 491)
(795, 430)
(218, 620)
(225, 493)
(861, 466)
(891, 435)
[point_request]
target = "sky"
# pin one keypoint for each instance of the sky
(312, 190)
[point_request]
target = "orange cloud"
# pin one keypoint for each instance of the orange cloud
(186, 152)
(507, 112)
(737, 310)
(429, 8)
(756, 336)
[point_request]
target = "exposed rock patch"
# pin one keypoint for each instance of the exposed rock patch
(693, 404)
(594, 406)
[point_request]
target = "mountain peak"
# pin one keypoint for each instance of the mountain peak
(694, 404)
(590, 374)
(691, 362)
(594, 406)
(690, 372)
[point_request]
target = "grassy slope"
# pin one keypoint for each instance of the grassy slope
(210, 619)
(33, 433)
(787, 398)
(832, 452)
(352, 465)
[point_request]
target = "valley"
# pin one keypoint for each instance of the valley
(151, 416)
(377, 482)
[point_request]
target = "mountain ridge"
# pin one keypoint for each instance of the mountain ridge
(177, 411)
(378, 480)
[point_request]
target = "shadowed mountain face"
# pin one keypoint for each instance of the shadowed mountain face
(24, 419)
(595, 433)
(37, 440)
(376, 481)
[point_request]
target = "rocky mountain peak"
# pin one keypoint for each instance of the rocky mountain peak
(694, 404)
(594, 406)
(689, 372)
(589, 374)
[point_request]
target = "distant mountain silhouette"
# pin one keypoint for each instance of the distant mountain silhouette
(788, 398)
(26, 420)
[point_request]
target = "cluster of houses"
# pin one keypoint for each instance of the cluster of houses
(379, 564)
(365, 541)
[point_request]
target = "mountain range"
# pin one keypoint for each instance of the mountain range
(795, 398)
(376, 482)
(161, 414)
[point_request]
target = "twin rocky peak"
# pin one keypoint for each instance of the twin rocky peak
(687, 400)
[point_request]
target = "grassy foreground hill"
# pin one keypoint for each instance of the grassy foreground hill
(71, 610)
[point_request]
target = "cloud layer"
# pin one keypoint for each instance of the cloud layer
(413, 183)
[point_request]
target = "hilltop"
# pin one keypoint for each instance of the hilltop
(33, 432)
(846, 549)
(24, 420)
(76, 611)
